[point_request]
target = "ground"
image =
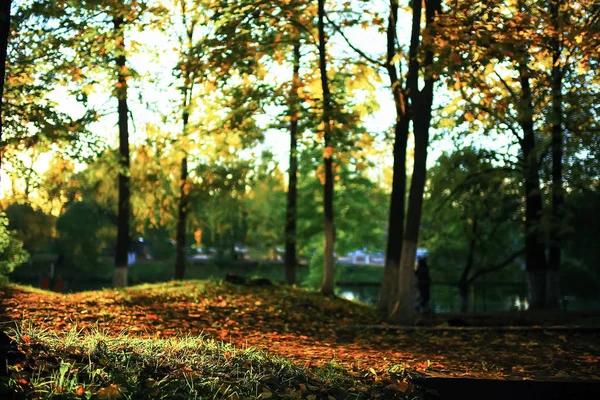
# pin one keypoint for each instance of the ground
(365, 356)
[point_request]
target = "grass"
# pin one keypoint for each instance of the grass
(74, 365)
(214, 340)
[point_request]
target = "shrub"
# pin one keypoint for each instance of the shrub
(315, 274)
(12, 253)
(85, 233)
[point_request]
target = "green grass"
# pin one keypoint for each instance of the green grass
(73, 365)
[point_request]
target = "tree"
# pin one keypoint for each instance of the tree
(292, 194)
(124, 205)
(11, 250)
(471, 217)
(398, 196)
(188, 76)
(402, 308)
(506, 72)
(32, 226)
(4, 33)
(328, 151)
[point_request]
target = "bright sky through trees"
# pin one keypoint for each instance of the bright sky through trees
(155, 93)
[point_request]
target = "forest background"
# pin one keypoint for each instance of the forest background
(469, 131)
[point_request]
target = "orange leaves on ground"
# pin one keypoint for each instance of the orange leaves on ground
(109, 392)
(304, 327)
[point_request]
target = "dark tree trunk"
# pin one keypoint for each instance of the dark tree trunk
(535, 258)
(120, 274)
(464, 282)
(4, 33)
(397, 202)
(552, 277)
(329, 263)
(180, 256)
(404, 307)
(290, 226)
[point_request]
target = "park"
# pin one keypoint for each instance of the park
(299, 199)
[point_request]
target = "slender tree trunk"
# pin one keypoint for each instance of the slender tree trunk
(552, 276)
(397, 203)
(327, 287)
(180, 257)
(535, 257)
(120, 272)
(4, 33)
(290, 227)
(404, 305)
(464, 282)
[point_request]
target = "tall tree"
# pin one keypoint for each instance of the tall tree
(4, 32)
(403, 306)
(123, 215)
(554, 261)
(329, 227)
(292, 194)
(398, 196)
(188, 75)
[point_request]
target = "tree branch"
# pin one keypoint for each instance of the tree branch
(497, 267)
(338, 29)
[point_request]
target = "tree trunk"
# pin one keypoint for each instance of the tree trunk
(464, 282)
(397, 202)
(327, 287)
(4, 33)
(552, 276)
(180, 256)
(535, 258)
(290, 226)
(120, 273)
(463, 290)
(404, 305)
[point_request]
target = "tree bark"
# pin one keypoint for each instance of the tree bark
(552, 276)
(4, 33)
(535, 257)
(290, 227)
(120, 273)
(404, 304)
(327, 288)
(464, 282)
(180, 258)
(398, 196)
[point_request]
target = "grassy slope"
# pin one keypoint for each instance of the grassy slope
(77, 361)
(160, 339)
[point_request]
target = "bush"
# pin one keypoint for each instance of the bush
(315, 273)
(11, 250)
(32, 227)
(85, 232)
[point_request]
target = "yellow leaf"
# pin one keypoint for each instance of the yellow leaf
(328, 152)
(399, 386)
(109, 392)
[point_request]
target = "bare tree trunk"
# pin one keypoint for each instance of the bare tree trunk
(398, 197)
(327, 287)
(180, 257)
(4, 33)
(552, 276)
(535, 257)
(120, 272)
(290, 227)
(464, 282)
(404, 304)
